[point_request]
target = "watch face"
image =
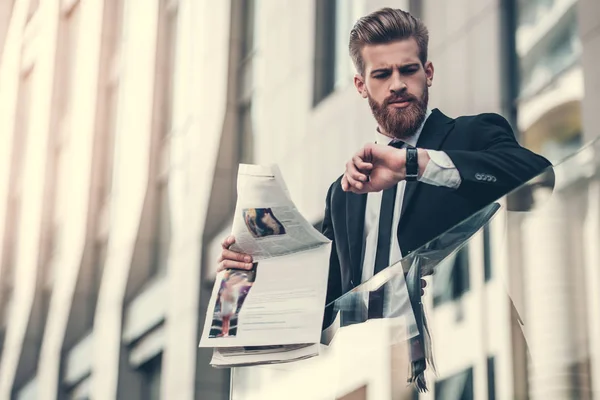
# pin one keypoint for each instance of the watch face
(412, 164)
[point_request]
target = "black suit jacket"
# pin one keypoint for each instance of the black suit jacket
(491, 163)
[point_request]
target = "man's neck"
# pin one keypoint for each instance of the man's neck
(384, 133)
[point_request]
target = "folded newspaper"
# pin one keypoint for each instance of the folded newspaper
(274, 312)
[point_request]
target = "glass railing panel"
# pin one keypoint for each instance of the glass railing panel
(512, 306)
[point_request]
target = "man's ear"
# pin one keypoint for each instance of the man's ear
(360, 85)
(429, 70)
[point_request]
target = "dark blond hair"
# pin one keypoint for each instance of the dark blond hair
(384, 26)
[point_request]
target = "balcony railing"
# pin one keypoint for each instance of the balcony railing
(531, 330)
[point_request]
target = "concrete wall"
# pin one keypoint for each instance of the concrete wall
(464, 45)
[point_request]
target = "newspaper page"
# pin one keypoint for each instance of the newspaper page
(266, 222)
(281, 300)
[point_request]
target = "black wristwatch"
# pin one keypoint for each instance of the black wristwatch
(412, 164)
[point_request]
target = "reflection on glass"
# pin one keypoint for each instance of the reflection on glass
(531, 322)
(456, 387)
(451, 279)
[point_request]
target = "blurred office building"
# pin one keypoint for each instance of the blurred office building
(122, 123)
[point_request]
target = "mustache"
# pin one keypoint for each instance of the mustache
(399, 99)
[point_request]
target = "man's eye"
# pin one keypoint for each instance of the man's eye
(410, 71)
(381, 76)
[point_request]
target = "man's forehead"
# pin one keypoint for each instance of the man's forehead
(396, 53)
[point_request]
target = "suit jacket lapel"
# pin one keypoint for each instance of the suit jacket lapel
(434, 131)
(355, 220)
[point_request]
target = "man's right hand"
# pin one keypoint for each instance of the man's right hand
(230, 259)
(374, 168)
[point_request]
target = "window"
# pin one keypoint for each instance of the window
(346, 14)
(57, 179)
(509, 61)
(246, 81)
(151, 371)
(246, 133)
(549, 85)
(416, 8)
(109, 99)
(83, 309)
(162, 229)
(487, 253)
(105, 138)
(542, 60)
(456, 387)
(333, 65)
(324, 79)
(151, 251)
(13, 226)
(491, 378)
(167, 51)
(451, 279)
(13, 206)
(165, 64)
(581, 385)
(56, 182)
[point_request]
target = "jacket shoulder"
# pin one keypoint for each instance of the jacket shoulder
(487, 122)
(492, 117)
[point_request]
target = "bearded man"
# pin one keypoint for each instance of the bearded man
(424, 173)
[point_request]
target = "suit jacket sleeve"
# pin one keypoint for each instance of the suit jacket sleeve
(334, 282)
(496, 164)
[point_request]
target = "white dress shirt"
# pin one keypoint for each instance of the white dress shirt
(440, 171)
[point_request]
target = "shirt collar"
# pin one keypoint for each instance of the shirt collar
(412, 141)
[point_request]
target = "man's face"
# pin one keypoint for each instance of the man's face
(396, 84)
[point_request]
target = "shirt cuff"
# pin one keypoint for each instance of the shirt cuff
(440, 171)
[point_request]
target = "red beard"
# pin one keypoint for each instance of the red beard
(401, 123)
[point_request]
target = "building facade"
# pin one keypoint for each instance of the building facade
(122, 123)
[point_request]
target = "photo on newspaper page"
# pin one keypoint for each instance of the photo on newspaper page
(233, 290)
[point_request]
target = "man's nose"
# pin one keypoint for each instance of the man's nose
(397, 84)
